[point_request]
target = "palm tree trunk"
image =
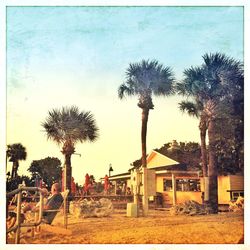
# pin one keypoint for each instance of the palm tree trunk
(68, 171)
(145, 113)
(14, 170)
(212, 169)
(203, 131)
(67, 176)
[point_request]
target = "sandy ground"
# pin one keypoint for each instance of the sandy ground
(159, 227)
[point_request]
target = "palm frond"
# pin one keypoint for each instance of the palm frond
(146, 78)
(190, 107)
(69, 124)
(124, 90)
(16, 152)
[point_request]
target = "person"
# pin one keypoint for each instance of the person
(53, 202)
(87, 185)
(106, 184)
(128, 191)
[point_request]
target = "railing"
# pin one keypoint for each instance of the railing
(18, 224)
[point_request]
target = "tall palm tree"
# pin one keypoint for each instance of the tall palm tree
(144, 79)
(67, 127)
(15, 152)
(212, 83)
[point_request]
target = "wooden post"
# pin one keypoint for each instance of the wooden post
(145, 191)
(136, 187)
(18, 230)
(65, 212)
(206, 189)
(115, 187)
(174, 189)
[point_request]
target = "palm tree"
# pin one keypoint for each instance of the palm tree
(211, 84)
(195, 109)
(144, 79)
(15, 152)
(67, 127)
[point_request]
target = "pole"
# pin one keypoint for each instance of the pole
(18, 230)
(174, 189)
(145, 191)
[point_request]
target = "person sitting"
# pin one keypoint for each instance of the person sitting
(53, 202)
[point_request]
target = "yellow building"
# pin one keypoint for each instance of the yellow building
(176, 184)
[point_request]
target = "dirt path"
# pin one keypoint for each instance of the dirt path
(158, 228)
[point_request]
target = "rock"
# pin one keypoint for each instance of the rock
(238, 205)
(189, 208)
(85, 208)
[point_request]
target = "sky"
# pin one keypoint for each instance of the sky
(63, 56)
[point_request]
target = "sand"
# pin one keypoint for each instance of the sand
(159, 227)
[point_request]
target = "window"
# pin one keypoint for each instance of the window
(167, 185)
(187, 185)
(182, 185)
(236, 194)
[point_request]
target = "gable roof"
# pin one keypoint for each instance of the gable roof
(157, 160)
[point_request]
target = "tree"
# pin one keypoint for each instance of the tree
(195, 108)
(48, 169)
(188, 153)
(229, 144)
(15, 152)
(212, 83)
(12, 184)
(67, 127)
(144, 79)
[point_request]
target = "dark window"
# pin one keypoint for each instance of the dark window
(188, 185)
(236, 194)
(167, 185)
(182, 185)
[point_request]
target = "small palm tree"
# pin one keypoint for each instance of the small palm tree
(211, 84)
(67, 127)
(15, 153)
(144, 79)
(195, 109)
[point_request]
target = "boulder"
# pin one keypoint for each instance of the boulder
(85, 208)
(188, 208)
(237, 205)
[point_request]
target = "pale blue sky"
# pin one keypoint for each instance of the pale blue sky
(78, 55)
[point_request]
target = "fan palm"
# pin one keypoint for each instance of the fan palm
(144, 79)
(195, 109)
(67, 127)
(210, 84)
(15, 153)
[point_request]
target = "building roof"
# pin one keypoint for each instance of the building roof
(157, 160)
(119, 176)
